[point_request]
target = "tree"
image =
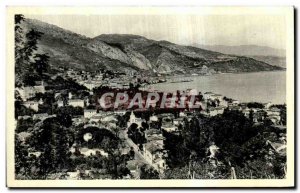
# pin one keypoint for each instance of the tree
(21, 153)
(30, 45)
(41, 63)
(25, 53)
(29, 78)
(251, 115)
(53, 141)
(148, 173)
(64, 119)
(18, 37)
(283, 116)
(255, 105)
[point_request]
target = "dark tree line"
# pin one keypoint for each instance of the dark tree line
(29, 64)
(241, 143)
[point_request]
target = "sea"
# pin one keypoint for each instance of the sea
(245, 87)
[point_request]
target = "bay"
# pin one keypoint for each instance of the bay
(245, 87)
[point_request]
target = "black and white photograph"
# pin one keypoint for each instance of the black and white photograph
(150, 97)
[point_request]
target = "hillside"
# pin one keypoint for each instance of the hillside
(244, 50)
(134, 53)
(274, 60)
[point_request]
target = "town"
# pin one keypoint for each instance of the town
(140, 134)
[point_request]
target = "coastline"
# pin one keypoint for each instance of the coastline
(234, 85)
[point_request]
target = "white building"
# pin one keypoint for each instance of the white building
(30, 91)
(169, 127)
(90, 152)
(223, 103)
(215, 111)
(182, 114)
(70, 95)
(34, 105)
(76, 103)
(178, 121)
(216, 97)
(235, 103)
(60, 103)
(207, 95)
(96, 118)
(88, 113)
(120, 112)
(154, 154)
(134, 119)
(153, 118)
(41, 116)
(267, 105)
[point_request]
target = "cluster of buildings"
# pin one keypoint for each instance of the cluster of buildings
(153, 149)
(215, 104)
(94, 80)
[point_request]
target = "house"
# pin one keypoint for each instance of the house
(191, 92)
(275, 119)
(154, 135)
(273, 111)
(89, 85)
(153, 118)
(88, 113)
(24, 117)
(178, 121)
(207, 95)
(267, 105)
(159, 164)
(70, 95)
(23, 136)
(76, 102)
(60, 103)
(120, 112)
(40, 116)
(35, 153)
(223, 103)
(109, 118)
(234, 103)
(279, 148)
(34, 105)
(213, 111)
(152, 132)
(134, 119)
(154, 154)
(30, 91)
(89, 152)
(216, 97)
(204, 69)
(169, 127)
(182, 114)
(133, 167)
(96, 118)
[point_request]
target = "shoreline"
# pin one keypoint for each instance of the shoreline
(196, 84)
(186, 75)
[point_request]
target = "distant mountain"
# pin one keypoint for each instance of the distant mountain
(273, 60)
(244, 50)
(134, 53)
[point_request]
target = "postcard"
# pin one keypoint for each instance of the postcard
(155, 97)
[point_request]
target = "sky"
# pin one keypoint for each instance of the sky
(232, 30)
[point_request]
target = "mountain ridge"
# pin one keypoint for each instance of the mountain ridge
(244, 50)
(127, 52)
